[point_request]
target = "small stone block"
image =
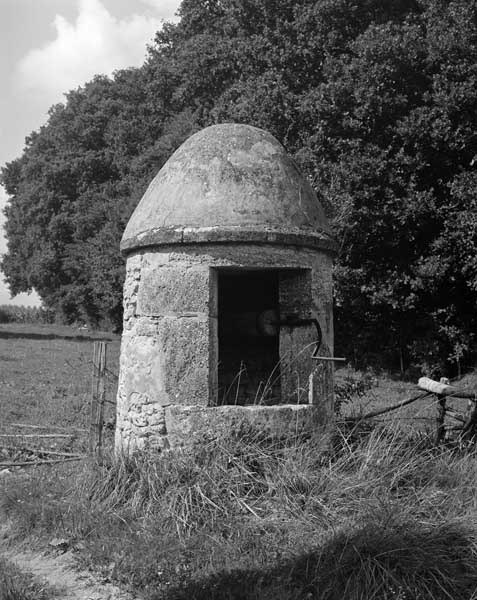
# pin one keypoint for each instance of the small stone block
(173, 291)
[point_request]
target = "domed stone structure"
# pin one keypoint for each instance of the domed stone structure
(228, 294)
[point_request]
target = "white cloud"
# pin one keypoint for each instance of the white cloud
(165, 8)
(96, 42)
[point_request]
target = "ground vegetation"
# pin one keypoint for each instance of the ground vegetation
(382, 512)
(382, 515)
(11, 313)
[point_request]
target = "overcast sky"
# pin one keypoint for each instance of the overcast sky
(48, 47)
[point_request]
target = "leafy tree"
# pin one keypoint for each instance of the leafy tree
(73, 190)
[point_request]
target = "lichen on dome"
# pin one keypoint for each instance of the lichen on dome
(229, 183)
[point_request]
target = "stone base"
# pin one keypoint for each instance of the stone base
(192, 426)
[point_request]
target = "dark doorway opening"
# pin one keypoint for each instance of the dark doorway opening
(248, 311)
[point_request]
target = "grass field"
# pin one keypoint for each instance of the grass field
(45, 381)
(383, 515)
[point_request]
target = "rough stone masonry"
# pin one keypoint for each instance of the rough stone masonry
(229, 261)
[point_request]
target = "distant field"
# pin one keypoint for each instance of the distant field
(45, 377)
(12, 330)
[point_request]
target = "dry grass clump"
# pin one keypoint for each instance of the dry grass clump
(381, 515)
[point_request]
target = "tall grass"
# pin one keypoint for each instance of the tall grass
(381, 515)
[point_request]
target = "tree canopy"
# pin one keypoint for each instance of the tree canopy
(377, 103)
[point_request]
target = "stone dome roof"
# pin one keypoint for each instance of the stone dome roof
(229, 183)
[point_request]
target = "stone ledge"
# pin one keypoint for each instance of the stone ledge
(187, 425)
(160, 236)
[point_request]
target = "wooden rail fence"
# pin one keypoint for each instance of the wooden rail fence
(441, 391)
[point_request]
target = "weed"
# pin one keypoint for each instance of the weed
(352, 387)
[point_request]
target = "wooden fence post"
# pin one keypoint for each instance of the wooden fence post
(469, 429)
(321, 384)
(98, 396)
(321, 388)
(441, 414)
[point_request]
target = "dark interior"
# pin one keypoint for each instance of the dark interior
(248, 371)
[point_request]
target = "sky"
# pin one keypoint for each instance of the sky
(48, 47)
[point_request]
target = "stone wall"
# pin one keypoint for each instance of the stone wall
(169, 353)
